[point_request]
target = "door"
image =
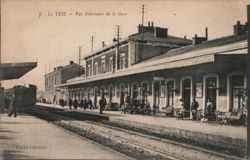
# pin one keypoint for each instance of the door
(111, 93)
(211, 91)
(144, 92)
(170, 93)
(237, 93)
(157, 94)
(122, 95)
(186, 93)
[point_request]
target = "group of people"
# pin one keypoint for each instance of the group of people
(82, 103)
(208, 110)
(87, 103)
(136, 105)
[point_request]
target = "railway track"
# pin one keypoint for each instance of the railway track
(148, 146)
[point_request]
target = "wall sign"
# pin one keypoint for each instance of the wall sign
(199, 90)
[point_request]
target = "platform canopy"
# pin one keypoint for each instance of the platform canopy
(10, 71)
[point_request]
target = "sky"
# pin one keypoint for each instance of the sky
(33, 31)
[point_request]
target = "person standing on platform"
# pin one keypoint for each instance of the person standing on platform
(70, 103)
(90, 104)
(194, 106)
(102, 104)
(85, 103)
(81, 103)
(75, 103)
(12, 106)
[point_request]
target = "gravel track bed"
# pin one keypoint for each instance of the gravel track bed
(148, 141)
(120, 146)
(123, 141)
(240, 152)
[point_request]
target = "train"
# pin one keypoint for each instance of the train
(25, 96)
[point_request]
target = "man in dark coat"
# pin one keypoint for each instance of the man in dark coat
(90, 104)
(102, 104)
(81, 103)
(70, 103)
(85, 103)
(194, 106)
(75, 103)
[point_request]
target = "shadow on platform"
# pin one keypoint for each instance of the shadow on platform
(12, 155)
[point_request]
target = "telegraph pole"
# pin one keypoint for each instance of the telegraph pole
(142, 30)
(79, 61)
(118, 43)
(142, 11)
(92, 50)
(92, 44)
(248, 83)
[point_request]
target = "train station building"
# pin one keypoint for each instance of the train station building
(163, 69)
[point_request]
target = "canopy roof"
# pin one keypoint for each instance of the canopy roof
(194, 57)
(10, 71)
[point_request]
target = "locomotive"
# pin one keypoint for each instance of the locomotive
(25, 96)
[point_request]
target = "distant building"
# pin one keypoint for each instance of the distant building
(165, 70)
(59, 76)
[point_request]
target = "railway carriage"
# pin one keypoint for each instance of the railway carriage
(25, 96)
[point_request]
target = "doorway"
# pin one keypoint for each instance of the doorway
(186, 93)
(122, 90)
(156, 97)
(170, 93)
(211, 91)
(237, 93)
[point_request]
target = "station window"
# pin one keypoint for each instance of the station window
(89, 70)
(103, 66)
(96, 68)
(122, 61)
(237, 92)
(111, 64)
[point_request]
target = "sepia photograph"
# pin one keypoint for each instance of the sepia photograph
(124, 80)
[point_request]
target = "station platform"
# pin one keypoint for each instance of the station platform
(208, 133)
(27, 137)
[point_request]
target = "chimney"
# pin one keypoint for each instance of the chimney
(152, 24)
(103, 44)
(160, 32)
(194, 42)
(54, 68)
(198, 40)
(71, 62)
(246, 27)
(148, 23)
(139, 28)
(206, 33)
(239, 29)
(185, 37)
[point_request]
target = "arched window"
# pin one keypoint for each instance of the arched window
(237, 92)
